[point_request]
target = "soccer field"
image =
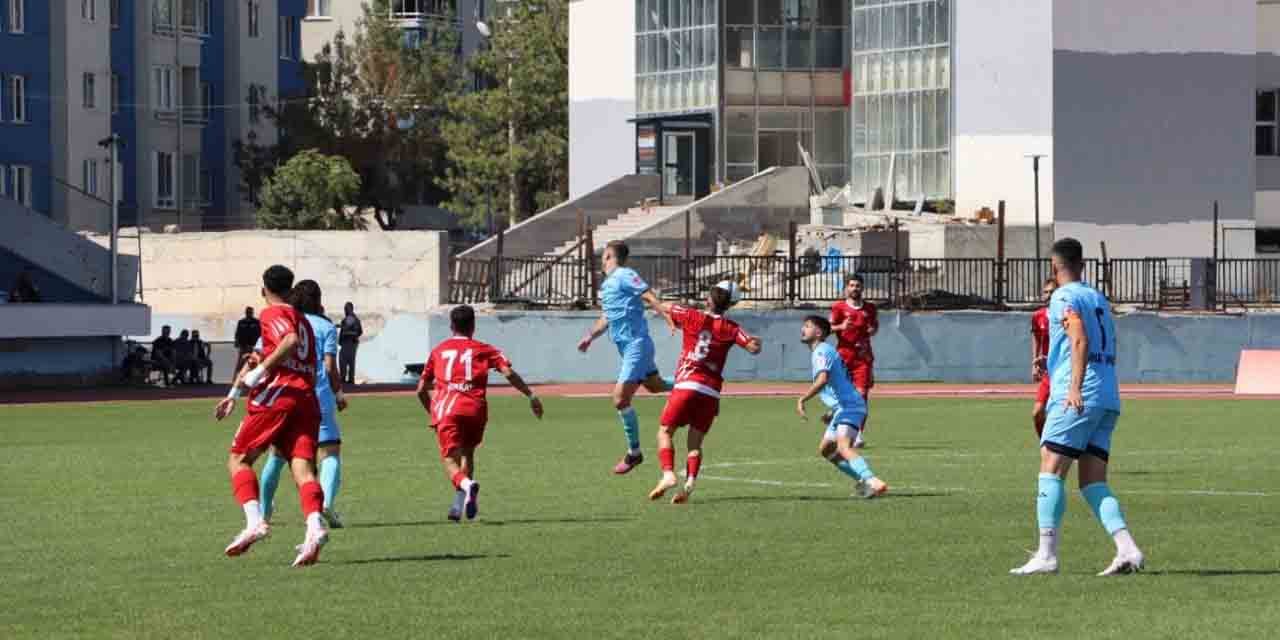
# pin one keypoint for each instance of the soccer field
(114, 517)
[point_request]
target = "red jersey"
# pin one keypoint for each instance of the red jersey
(297, 372)
(1040, 329)
(459, 369)
(708, 338)
(854, 343)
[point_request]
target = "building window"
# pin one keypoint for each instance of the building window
(89, 181)
(162, 88)
(1265, 129)
(288, 44)
(1266, 240)
(901, 69)
(17, 98)
(317, 8)
(162, 16)
(255, 104)
(254, 15)
(89, 87)
(206, 100)
(115, 93)
(677, 53)
(89, 10)
(163, 173)
(113, 8)
(17, 16)
(21, 184)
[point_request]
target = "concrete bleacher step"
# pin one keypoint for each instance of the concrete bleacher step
(620, 227)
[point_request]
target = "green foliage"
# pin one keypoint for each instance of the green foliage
(311, 191)
(527, 65)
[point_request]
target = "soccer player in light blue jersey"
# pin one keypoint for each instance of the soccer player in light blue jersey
(306, 298)
(832, 383)
(1084, 405)
(623, 296)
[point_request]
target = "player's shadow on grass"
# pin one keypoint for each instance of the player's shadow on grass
(1214, 573)
(436, 557)
(489, 523)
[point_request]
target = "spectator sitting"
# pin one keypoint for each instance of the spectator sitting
(24, 288)
(248, 330)
(135, 364)
(203, 358)
(162, 353)
(184, 363)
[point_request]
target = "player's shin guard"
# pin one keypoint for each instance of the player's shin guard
(330, 479)
(691, 465)
(858, 469)
(271, 470)
(667, 458)
(1051, 504)
(312, 498)
(631, 427)
(245, 486)
(1105, 506)
(458, 478)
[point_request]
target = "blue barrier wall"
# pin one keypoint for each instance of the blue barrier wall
(965, 346)
(34, 362)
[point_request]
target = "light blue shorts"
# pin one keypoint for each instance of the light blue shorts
(329, 431)
(844, 422)
(1074, 434)
(636, 361)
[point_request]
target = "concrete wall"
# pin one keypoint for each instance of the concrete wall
(47, 320)
(1003, 106)
(952, 347)
(1148, 104)
(75, 259)
(216, 275)
(602, 93)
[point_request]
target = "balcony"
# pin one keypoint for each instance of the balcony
(194, 18)
(417, 14)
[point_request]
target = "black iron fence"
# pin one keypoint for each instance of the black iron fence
(571, 280)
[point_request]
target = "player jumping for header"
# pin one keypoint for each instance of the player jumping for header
(1084, 405)
(854, 321)
(1039, 355)
(282, 413)
(622, 297)
(695, 401)
(458, 368)
(847, 409)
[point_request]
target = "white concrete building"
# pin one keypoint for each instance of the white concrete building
(1135, 106)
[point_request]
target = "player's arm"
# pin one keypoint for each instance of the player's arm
(284, 348)
(1079, 358)
(597, 329)
(819, 381)
(516, 381)
(228, 404)
(838, 320)
(650, 298)
(424, 383)
(873, 320)
(749, 342)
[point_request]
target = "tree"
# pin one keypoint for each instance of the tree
(311, 191)
(527, 61)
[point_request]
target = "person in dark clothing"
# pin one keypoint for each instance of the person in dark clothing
(162, 355)
(248, 330)
(24, 288)
(203, 353)
(184, 357)
(349, 332)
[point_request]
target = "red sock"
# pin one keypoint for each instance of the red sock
(312, 497)
(457, 480)
(667, 457)
(245, 486)
(692, 463)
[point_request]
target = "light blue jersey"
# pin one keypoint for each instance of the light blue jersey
(326, 344)
(1100, 388)
(844, 401)
(620, 299)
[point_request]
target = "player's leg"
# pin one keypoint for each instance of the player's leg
(1037, 417)
(1105, 506)
(251, 439)
(298, 441)
(863, 380)
(271, 470)
(330, 465)
(855, 465)
(1063, 442)
(655, 383)
(667, 458)
(623, 392)
(471, 494)
(693, 462)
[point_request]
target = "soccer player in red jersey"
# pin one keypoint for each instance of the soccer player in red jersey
(1040, 355)
(854, 321)
(457, 372)
(695, 399)
(282, 412)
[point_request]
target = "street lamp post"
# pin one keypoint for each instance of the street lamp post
(513, 180)
(1035, 171)
(112, 143)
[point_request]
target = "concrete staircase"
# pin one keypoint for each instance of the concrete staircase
(621, 227)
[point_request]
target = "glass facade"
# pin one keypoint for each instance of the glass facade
(676, 56)
(783, 86)
(901, 86)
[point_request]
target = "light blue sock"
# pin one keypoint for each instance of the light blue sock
(1051, 501)
(668, 383)
(270, 479)
(330, 479)
(856, 469)
(1105, 506)
(630, 427)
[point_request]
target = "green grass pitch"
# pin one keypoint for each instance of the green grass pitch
(114, 516)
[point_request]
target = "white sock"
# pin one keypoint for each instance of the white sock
(252, 514)
(1124, 543)
(669, 476)
(466, 483)
(314, 523)
(1048, 543)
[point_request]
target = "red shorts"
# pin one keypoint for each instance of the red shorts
(1042, 393)
(292, 430)
(863, 379)
(455, 432)
(686, 407)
